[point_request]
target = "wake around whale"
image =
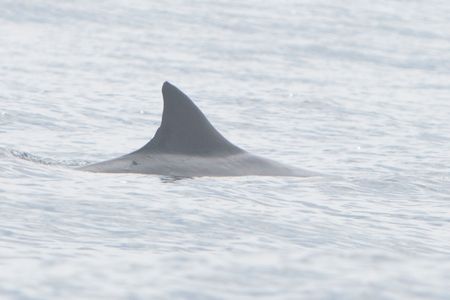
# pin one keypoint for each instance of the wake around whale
(187, 145)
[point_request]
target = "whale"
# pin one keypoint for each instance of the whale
(187, 145)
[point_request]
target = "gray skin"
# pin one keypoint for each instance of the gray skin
(187, 145)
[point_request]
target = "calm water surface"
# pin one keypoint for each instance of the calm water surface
(356, 90)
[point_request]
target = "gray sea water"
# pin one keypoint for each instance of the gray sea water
(356, 90)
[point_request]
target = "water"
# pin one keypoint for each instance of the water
(355, 90)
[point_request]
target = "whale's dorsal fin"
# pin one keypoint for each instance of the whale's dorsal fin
(184, 129)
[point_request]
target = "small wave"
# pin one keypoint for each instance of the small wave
(47, 161)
